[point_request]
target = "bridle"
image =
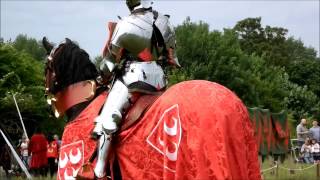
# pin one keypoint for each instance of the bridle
(74, 94)
(50, 74)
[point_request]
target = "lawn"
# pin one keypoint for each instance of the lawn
(284, 172)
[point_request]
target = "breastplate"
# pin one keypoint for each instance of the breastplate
(133, 33)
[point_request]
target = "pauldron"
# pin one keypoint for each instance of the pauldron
(139, 37)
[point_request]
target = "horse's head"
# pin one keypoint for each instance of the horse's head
(68, 72)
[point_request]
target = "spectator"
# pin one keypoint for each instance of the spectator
(302, 132)
(315, 131)
(315, 150)
(56, 138)
(306, 151)
(24, 151)
(52, 155)
(38, 150)
(5, 159)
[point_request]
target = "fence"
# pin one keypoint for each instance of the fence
(291, 170)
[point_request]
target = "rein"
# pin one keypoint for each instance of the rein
(50, 74)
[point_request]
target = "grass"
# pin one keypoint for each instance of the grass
(285, 174)
(36, 178)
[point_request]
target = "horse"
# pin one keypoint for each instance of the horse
(194, 130)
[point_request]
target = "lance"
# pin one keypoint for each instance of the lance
(21, 164)
(15, 101)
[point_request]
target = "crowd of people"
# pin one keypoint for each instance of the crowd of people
(309, 140)
(39, 154)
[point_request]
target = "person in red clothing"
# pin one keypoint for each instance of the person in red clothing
(52, 155)
(56, 138)
(38, 151)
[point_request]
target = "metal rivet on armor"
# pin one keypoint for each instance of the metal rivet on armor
(144, 75)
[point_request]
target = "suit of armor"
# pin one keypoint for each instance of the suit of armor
(129, 58)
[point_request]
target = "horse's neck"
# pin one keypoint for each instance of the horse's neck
(75, 110)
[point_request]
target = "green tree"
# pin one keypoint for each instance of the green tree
(300, 63)
(243, 64)
(22, 75)
(301, 102)
(268, 42)
(306, 73)
(251, 35)
(304, 67)
(297, 51)
(217, 56)
(30, 46)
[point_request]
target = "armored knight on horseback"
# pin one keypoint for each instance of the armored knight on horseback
(138, 47)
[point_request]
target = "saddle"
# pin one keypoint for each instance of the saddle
(138, 109)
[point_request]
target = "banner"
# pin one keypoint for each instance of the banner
(271, 131)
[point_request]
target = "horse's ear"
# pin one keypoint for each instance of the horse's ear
(47, 45)
(68, 41)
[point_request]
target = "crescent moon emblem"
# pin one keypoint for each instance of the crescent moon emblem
(75, 172)
(75, 159)
(171, 131)
(67, 177)
(172, 156)
(161, 142)
(63, 162)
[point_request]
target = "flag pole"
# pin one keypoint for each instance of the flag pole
(16, 156)
(15, 101)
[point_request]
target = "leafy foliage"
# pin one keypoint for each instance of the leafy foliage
(271, 44)
(22, 75)
(260, 64)
(306, 72)
(257, 63)
(30, 46)
(268, 42)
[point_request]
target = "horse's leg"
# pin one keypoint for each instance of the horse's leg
(104, 144)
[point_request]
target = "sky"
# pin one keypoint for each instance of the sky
(85, 21)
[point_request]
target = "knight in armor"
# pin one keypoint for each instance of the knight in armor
(139, 46)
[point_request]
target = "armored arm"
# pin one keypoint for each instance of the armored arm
(106, 69)
(165, 36)
(111, 55)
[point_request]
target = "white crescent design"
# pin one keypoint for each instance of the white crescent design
(75, 159)
(172, 156)
(161, 139)
(75, 172)
(67, 177)
(161, 142)
(171, 131)
(63, 162)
